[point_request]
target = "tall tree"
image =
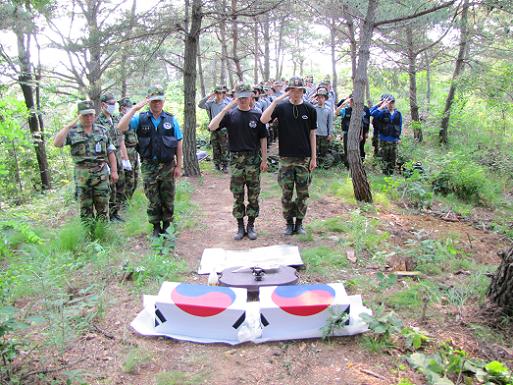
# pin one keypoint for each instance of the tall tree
(458, 69)
(22, 20)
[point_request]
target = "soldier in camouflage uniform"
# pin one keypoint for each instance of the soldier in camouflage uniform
(248, 145)
(214, 103)
(91, 148)
(132, 171)
(297, 149)
(160, 148)
(107, 119)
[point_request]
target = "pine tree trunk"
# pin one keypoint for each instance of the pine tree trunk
(458, 69)
(428, 81)
(26, 81)
(191, 165)
(124, 57)
(333, 47)
(361, 185)
(352, 43)
(201, 77)
(256, 52)
(235, 42)
(501, 287)
(412, 75)
(267, 50)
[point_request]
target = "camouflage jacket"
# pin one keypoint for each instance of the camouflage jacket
(89, 149)
(112, 127)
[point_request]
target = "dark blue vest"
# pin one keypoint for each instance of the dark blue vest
(365, 119)
(390, 126)
(156, 144)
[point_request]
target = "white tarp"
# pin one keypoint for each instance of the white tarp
(217, 259)
(283, 312)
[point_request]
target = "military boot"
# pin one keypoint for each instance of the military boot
(240, 230)
(289, 230)
(251, 229)
(165, 226)
(157, 230)
(298, 228)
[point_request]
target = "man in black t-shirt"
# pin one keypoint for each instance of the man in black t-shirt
(297, 149)
(247, 139)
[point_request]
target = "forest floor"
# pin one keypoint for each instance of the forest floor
(443, 302)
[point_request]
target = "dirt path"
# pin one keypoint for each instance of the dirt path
(340, 361)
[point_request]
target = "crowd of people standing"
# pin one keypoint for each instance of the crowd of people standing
(109, 149)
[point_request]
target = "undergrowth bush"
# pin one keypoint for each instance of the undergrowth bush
(469, 181)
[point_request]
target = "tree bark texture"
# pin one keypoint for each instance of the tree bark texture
(235, 42)
(256, 52)
(333, 47)
(124, 57)
(428, 80)
(412, 75)
(501, 287)
(352, 43)
(361, 185)
(26, 82)
(191, 165)
(267, 50)
(458, 69)
(201, 77)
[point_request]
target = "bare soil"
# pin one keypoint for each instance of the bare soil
(102, 351)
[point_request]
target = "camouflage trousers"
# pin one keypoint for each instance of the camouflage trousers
(245, 171)
(132, 177)
(94, 192)
(389, 156)
(294, 172)
(324, 158)
(220, 152)
(375, 141)
(159, 188)
(117, 195)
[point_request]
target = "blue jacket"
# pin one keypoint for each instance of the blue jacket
(389, 124)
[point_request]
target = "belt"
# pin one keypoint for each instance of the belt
(95, 167)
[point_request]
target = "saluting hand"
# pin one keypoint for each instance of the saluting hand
(141, 104)
(282, 96)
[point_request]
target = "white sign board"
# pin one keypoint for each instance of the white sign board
(217, 259)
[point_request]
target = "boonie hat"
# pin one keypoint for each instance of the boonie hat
(296, 82)
(125, 102)
(244, 91)
(156, 93)
(86, 107)
(219, 90)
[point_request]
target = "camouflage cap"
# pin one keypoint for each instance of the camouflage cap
(125, 102)
(296, 82)
(244, 91)
(107, 97)
(322, 92)
(86, 107)
(219, 89)
(156, 93)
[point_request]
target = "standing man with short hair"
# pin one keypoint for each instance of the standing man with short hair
(91, 150)
(132, 168)
(324, 127)
(160, 148)
(297, 150)
(247, 138)
(214, 103)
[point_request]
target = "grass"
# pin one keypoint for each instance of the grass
(179, 378)
(323, 260)
(413, 298)
(135, 359)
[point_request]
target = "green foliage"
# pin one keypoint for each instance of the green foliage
(323, 260)
(414, 338)
(448, 364)
(335, 321)
(179, 378)
(414, 297)
(466, 179)
(13, 233)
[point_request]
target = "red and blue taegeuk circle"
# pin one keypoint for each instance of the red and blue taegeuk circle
(303, 300)
(202, 301)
